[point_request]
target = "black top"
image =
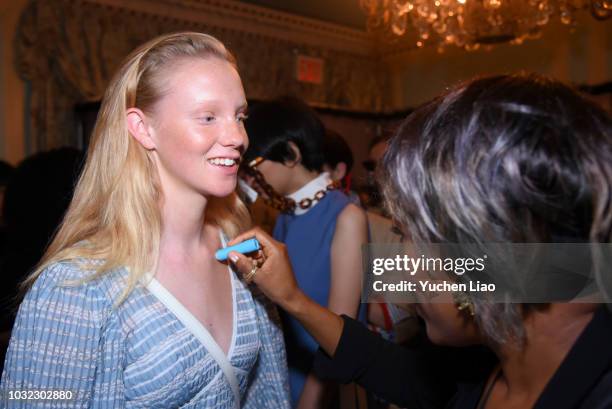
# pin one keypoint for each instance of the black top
(428, 376)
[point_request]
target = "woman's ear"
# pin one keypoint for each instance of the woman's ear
(297, 156)
(339, 172)
(137, 124)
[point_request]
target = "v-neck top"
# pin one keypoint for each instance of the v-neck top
(583, 379)
(139, 354)
(427, 376)
(190, 322)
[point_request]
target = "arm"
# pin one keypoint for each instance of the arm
(346, 270)
(65, 340)
(276, 280)
(345, 290)
(270, 385)
(353, 353)
(409, 377)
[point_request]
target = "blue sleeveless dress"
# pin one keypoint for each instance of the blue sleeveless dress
(308, 238)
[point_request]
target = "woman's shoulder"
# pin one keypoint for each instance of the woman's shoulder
(74, 269)
(78, 270)
(352, 217)
(338, 197)
(77, 277)
(331, 206)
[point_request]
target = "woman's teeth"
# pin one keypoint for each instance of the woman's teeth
(222, 161)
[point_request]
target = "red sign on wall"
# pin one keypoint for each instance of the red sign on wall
(310, 69)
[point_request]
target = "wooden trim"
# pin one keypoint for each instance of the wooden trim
(237, 16)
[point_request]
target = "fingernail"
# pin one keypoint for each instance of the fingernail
(233, 257)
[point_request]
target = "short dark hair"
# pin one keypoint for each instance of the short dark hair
(273, 124)
(336, 150)
(511, 158)
(517, 158)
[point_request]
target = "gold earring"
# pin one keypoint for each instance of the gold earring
(464, 303)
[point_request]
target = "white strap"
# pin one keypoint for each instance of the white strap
(200, 332)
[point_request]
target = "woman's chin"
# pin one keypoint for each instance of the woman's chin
(221, 191)
(436, 337)
(449, 338)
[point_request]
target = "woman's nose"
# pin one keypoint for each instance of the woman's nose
(234, 135)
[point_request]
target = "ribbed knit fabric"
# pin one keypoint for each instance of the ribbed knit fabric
(137, 354)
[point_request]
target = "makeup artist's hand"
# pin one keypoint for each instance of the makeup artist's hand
(275, 279)
(274, 276)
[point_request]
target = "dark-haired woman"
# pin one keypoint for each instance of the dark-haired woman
(515, 159)
(321, 228)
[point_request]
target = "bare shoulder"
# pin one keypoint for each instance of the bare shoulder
(352, 217)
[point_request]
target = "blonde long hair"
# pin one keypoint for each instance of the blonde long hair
(114, 217)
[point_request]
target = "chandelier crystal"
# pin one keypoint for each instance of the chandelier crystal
(472, 23)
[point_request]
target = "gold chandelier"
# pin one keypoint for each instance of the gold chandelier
(471, 23)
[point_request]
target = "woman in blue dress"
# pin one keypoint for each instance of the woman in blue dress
(322, 229)
(129, 308)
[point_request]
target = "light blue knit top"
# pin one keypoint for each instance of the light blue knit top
(138, 354)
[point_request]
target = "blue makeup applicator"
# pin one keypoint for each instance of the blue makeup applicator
(247, 246)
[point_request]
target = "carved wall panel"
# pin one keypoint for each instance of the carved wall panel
(69, 49)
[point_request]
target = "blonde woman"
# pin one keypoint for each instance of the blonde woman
(129, 307)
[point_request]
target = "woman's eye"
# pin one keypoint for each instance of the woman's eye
(208, 118)
(242, 117)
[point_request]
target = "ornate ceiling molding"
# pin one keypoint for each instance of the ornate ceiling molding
(237, 16)
(68, 50)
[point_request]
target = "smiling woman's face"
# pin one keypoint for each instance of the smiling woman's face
(197, 127)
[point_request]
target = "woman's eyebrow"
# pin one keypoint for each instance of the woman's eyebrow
(203, 102)
(215, 103)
